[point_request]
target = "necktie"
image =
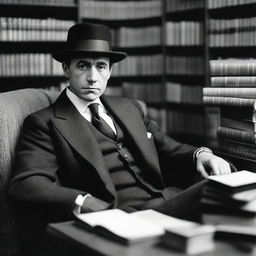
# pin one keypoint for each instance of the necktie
(99, 122)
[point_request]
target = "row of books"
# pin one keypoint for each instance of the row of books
(181, 93)
(185, 122)
(20, 64)
(177, 5)
(148, 92)
(184, 33)
(225, 3)
(29, 64)
(231, 25)
(139, 65)
(137, 37)
(153, 65)
(236, 130)
(185, 65)
(28, 29)
(234, 32)
(229, 203)
(120, 10)
(40, 2)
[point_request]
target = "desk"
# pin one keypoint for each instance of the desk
(88, 243)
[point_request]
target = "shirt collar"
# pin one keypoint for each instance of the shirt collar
(81, 104)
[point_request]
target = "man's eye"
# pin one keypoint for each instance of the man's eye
(82, 66)
(100, 67)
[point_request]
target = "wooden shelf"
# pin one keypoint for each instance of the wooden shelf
(19, 82)
(188, 50)
(39, 11)
(232, 51)
(30, 46)
(186, 15)
(231, 12)
(114, 23)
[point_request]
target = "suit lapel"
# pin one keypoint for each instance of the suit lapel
(134, 125)
(77, 132)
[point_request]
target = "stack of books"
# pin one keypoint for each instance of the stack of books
(229, 202)
(233, 91)
(230, 199)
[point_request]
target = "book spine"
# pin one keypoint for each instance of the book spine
(236, 135)
(233, 67)
(244, 150)
(249, 93)
(233, 81)
(239, 114)
(229, 101)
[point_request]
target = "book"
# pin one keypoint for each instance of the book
(244, 125)
(213, 218)
(191, 241)
(222, 101)
(215, 205)
(247, 93)
(236, 135)
(236, 232)
(183, 235)
(246, 114)
(243, 150)
(235, 198)
(120, 226)
(233, 67)
(233, 81)
(233, 182)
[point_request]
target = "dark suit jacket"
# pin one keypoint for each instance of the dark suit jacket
(58, 158)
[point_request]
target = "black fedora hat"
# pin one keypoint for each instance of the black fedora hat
(88, 39)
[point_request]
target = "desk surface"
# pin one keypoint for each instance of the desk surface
(86, 241)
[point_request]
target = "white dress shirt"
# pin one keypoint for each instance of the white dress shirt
(82, 107)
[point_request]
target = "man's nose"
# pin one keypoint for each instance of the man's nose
(92, 75)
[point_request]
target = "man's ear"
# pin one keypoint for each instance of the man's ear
(65, 69)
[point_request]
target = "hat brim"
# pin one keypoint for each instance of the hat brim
(63, 55)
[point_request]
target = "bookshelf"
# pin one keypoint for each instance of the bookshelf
(30, 31)
(164, 40)
(185, 73)
(230, 36)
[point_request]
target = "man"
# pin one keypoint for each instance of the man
(69, 159)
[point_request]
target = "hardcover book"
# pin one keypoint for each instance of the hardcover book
(233, 182)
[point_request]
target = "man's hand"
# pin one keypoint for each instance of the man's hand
(209, 164)
(93, 204)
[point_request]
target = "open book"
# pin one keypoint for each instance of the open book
(120, 226)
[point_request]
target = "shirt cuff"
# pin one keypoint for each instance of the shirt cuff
(79, 202)
(200, 150)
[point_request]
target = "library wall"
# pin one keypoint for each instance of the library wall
(164, 40)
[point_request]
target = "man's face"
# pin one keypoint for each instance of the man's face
(88, 77)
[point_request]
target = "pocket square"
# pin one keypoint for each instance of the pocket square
(149, 135)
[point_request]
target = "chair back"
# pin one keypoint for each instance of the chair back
(15, 106)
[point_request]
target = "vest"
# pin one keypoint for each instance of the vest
(134, 192)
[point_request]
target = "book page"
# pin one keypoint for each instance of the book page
(122, 224)
(166, 221)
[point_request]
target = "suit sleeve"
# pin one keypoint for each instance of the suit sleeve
(35, 182)
(175, 158)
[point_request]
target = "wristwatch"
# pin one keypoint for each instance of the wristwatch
(199, 151)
